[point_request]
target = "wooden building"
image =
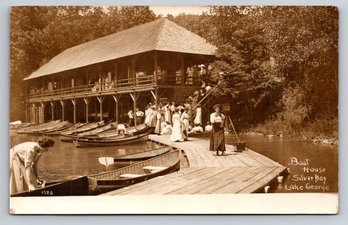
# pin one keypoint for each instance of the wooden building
(103, 79)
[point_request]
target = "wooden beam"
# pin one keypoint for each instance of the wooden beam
(52, 110)
(86, 100)
(116, 99)
(116, 77)
(132, 96)
(156, 65)
(63, 108)
(74, 106)
(156, 98)
(182, 69)
(100, 100)
(153, 95)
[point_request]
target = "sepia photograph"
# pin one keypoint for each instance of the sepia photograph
(145, 106)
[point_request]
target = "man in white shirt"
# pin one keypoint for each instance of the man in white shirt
(131, 118)
(139, 116)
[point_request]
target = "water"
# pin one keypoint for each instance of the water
(313, 167)
(65, 160)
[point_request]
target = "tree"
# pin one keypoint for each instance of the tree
(39, 33)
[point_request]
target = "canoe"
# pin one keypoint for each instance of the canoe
(121, 140)
(142, 155)
(126, 160)
(53, 128)
(106, 127)
(77, 186)
(39, 127)
(115, 133)
(135, 173)
(72, 128)
(72, 134)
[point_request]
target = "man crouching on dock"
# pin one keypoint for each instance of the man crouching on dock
(24, 158)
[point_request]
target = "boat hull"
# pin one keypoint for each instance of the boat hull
(78, 186)
(111, 142)
(104, 182)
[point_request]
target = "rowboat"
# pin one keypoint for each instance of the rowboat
(120, 140)
(135, 173)
(39, 127)
(69, 136)
(53, 128)
(77, 186)
(67, 129)
(106, 127)
(126, 160)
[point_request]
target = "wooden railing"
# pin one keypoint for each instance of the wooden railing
(102, 87)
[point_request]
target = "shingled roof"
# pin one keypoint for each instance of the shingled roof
(160, 34)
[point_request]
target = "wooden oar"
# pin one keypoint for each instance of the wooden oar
(106, 161)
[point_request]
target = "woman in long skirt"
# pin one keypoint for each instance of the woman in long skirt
(217, 138)
(198, 117)
(177, 131)
(159, 121)
(185, 120)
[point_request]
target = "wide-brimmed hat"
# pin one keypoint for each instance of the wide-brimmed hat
(217, 105)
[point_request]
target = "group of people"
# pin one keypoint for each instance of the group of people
(170, 119)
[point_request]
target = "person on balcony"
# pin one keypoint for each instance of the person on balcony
(24, 159)
(217, 138)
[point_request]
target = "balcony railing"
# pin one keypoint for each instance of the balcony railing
(98, 87)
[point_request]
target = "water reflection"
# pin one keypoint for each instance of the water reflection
(65, 160)
(285, 151)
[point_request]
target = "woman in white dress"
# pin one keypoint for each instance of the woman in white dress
(159, 121)
(24, 158)
(185, 120)
(148, 112)
(177, 131)
(198, 117)
(167, 114)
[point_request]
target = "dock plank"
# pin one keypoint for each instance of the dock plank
(236, 172)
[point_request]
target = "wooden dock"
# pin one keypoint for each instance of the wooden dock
(236, 172)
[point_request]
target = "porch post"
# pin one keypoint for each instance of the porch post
(74, 105)
(86, 100)
(116, 78)
(116, 99)
(42, 112)
(63, 108)
(156, 80)
(182, 69)
(100, 100)
(52, 110)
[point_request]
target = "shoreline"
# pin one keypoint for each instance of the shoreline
(315, 139)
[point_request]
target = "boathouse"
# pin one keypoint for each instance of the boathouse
(103, 79)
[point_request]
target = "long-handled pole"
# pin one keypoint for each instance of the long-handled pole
(233, 128)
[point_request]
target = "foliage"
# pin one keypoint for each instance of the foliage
(37, 35)
(279, 64)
